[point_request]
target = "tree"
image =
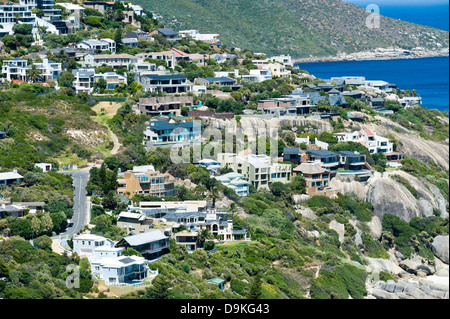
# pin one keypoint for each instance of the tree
(118, 37)
(203, 236)
(34, 74)
(43, 242)
(159, 289)
(100, 85)
(255, 287)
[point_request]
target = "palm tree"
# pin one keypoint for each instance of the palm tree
(203, 235)
(34, 74)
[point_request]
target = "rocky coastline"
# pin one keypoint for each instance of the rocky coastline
(378, 54)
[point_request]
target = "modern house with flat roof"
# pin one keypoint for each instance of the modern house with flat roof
(94, 44)
(258, 170)
(120, 270)
(188, 239)
(328, 160)
(86, 244)
(286, 106)
(164, 105)
(18, 69)
(84, 80)
(375, 143)
(151, 244)
(236, 182)
(114, 60)
(149, 182)
(221, 81)
(170, 84)
(165, 134)
(134, 222)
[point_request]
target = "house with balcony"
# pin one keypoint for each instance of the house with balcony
(170, 84)
(188, 239)
(236, 182)
(286, 106)
(285, 60)
(151, 244)
(317, 178)
(153, 183)
(164, 105)
(85, 244)
(258, 170)
(120, 270)
(167, 56)
(105, 44)
(134, 222)
(375, 143)
(18, 69)
(258, 75)
(165, 134)
(220, 81)
(114, 60)
(112, 79)
(328, 160)
(84, 80)
(278, 70)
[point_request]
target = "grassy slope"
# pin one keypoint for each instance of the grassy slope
(298, 27)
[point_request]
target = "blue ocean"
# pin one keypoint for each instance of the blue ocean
(428, 76)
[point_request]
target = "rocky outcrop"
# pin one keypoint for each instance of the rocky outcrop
(407, 290)
(346, 188)
(339, 228)
(380, 190)
(375, 227)
(380, 195)
(440, 248)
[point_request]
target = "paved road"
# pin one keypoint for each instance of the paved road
(80, 209)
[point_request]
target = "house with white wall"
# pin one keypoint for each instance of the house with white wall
(375, 143)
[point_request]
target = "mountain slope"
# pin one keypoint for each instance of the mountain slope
(298, 27)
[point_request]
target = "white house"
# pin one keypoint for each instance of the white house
(84, 80)
(196, 35)
(86, 244)
(114, 60)
(258, 75)
(236, 182)
(17, 69)
(112, 79)
(93, 44)
(120, 270)
(375, 143)
(46, 167)
(286, 60)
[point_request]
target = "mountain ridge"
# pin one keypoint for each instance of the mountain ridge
(307, 28)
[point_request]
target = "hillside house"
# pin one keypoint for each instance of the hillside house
(151, 244)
